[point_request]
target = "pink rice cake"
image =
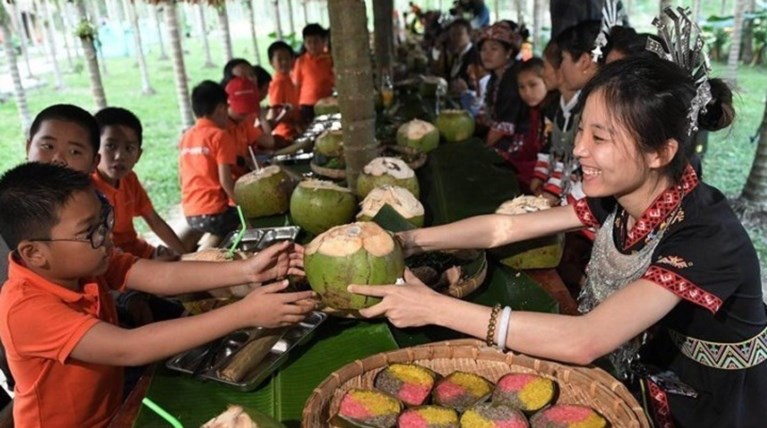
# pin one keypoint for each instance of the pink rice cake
(461, 390)
(410, 383)
(366, 408)
(568, 416)
(524, 391)
(428, 417)
(489, 415)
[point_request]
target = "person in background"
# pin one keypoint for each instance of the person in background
(238, 67)
(313, 70)
(246, 124)
(283, 94)
(457, 54)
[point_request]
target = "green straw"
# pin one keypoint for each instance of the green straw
(240, 234)
(162, 412)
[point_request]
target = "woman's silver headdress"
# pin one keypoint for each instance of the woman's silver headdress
(611, 17)
(684, 47)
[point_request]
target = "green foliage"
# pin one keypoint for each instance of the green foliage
(717, 32)
(85, 30)
(292, 39)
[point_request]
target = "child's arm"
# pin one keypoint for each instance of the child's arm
(265, 140)
(164, 232)
(226, 180)
(164, 278)
(106, 343)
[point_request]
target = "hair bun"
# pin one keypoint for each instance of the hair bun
(719, 111)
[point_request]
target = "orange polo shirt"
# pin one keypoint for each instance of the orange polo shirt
(129, 199)
(245, 135)
(314, 77)
(203, 147)
(40, 324)
(282, 91)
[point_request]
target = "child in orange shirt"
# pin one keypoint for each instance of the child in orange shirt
(121, 138)
(313, 70)
(245, 123)
(58, 323)
(283, 94)
(206, 156)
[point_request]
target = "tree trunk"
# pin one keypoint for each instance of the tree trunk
(223, 23)
(695, 10)
(179, 69)
(305, 7)
(384, 35)
(15, 21)
(737, 31)
(66, 9)
(278, 25)
(158, 11)
(59, 11)
(204, 35)
(13, 68)
(91, 60)
(291, 23)
(354, 82)
(537, 25)
(497, 9)
(520, 11)
(747, 45)
(252, 27)
(51, 42)
(146, 86)
(755, 189)
(724, 8)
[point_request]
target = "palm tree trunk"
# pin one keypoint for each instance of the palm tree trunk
(15, 21)
(755, 190)
(747, 45)
(354, 82)
(13, 69)
(158, 10)
(733, 59)
(291, 23)
(65, 8)
(146, 86)
(91, 60)
(277, 23)
(223, 22)
(305, 7)
(537, 25)
(64, 30)
(384, 35)
(497, 9)
(204, 35)
(179, 69)
(695, 10)
(520, 11)
(724, 8)
(252, 25)
(51, 44)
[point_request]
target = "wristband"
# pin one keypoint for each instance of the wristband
(503, 329)
(490, 339)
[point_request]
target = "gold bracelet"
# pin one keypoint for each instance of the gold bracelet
(490, 339)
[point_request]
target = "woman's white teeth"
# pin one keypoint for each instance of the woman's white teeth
(591, 171)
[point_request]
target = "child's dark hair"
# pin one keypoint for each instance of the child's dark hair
(262, 76)
(534, 65)
(32, 194)
(651, 97)
(229, 69)
(277, 46)
(69, 113)
(314, 29)
(578, 39)
(112, 116)
(206, 97)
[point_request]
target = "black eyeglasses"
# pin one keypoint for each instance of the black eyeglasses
(98, 235)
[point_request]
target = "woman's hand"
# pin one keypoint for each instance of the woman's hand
(276, 262)
(408, 305)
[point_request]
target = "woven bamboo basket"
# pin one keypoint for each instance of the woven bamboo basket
(577, 385)
(335, 174)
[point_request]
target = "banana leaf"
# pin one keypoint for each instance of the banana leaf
(335, 344)
(464, 179)
(389, 219)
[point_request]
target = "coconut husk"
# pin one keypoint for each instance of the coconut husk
(335, 174)
(218, 255)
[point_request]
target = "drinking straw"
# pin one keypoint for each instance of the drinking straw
(255, 161)
(162, 412)
(240, 234)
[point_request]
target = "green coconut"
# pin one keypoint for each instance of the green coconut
(264, 192)
(357, 253)
(455, 125)
(418, 135)
(431, 85)
(538, 253)
(318, 205)
(398, 198)
(330, 143)
(386, 170)
(327, 105)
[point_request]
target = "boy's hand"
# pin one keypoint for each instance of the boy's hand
(267, 307)
(276, 262)
(165, 254)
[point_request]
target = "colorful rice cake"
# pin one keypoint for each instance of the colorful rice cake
(524, 391)
(428, 417)
(461, 390)
(568, 416)
(367, 409)
(411, 383)
(489, 415)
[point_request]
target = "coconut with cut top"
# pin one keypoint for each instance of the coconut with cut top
(330, 143)
(399, 198)
(263, 192)
(327, 105)
(356, 253)
(455, 125)
(318, 205)
(387, 170)
(418, 135)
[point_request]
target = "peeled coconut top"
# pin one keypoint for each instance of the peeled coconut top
(398, 197)
(417, 128)
(347, 239)
(395, 167)
(524, 204)
(233, 417)
(264, 172)
(322, 185)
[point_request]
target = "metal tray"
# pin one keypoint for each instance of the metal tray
(257, 239)
(204, 361)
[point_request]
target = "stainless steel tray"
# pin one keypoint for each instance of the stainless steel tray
(205, 361)
(257, 239)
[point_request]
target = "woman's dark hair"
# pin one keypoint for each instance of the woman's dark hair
(552, 53)
(578, 39)
(111, 116)
(624, 40)
(229, 69)
(651, 97)
(69, 113)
